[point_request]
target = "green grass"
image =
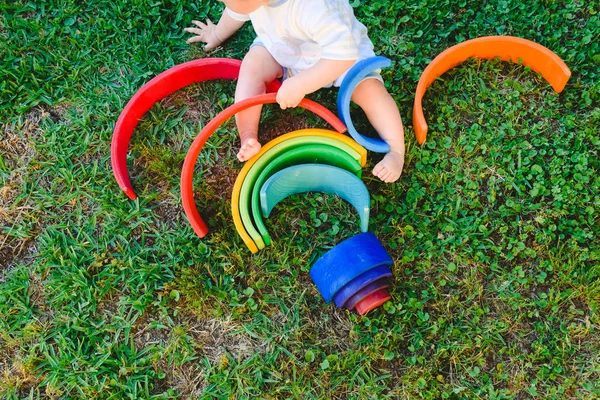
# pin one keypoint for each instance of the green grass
(493, 227)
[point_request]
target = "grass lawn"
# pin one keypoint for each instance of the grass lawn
(494, 225)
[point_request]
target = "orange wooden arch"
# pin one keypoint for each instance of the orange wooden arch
(187, 172)
(535, 56)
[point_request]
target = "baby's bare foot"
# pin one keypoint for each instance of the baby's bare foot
(248, 150)
(390, 168)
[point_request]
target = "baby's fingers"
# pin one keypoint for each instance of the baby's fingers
(279, 99)
(201, 24)
(195, 39)
(196, 31)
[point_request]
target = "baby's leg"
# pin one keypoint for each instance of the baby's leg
(258, 69)
(383, 114)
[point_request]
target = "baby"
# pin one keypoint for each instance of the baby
(310, 44)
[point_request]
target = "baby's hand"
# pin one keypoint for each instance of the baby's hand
(205, 33)
(290, 94)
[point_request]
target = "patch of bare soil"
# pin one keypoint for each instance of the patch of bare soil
(211, 338)
(17, 150)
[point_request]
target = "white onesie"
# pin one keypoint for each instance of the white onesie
(298, 33)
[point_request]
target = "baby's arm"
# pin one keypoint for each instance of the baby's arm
(310, 80)
(213, 35)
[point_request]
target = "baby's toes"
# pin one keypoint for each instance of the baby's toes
(378, 169)
(383, 174)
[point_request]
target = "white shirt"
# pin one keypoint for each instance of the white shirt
(298, 33)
